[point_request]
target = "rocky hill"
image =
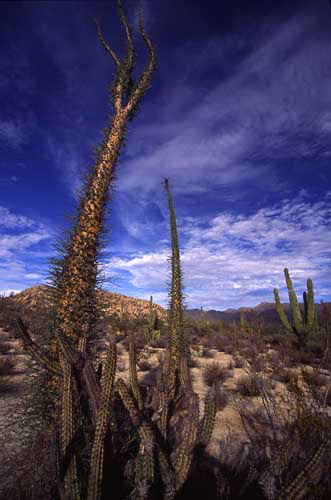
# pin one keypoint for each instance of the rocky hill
(41, 296)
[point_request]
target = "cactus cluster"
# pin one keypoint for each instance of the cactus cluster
(86, 397)
(165, 420)
(300, 327)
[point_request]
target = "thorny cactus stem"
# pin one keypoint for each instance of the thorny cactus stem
(96, 463)
(75, 284)
(177, 341)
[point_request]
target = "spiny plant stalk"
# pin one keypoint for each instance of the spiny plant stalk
(300, 327)
(177, 341)
(76, 282)
(133, 373)
(96, 463)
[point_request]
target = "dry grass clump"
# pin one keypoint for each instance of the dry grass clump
(238, 361)
(301, 357)
(258, 363)
(214, 373)
(248, 385)
(283, 375)
(280, 433)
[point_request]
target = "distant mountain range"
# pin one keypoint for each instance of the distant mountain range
(264, 312)
(40, 296)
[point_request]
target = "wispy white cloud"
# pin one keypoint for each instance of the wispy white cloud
(19, 234)
(237, 260)
(11, 220)
(268, 108)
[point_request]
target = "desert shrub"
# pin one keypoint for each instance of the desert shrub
(7, 365)
(313, 377)
(150, 379)
(258, 363)
(208, 341)
(248, 385)
(281, 429)
(273, 357)
(214, 373)
(301, 357)
(159, 343)
(315, 345)
(283, 375)
(4, 346)
(226, 347)
(144, 366)
(238, 361)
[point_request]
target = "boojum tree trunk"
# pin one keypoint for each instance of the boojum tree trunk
(75, 303)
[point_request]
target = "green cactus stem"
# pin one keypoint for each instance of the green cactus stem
(295, 309)
(310, 306)
(206, 425)
(300, 327)
(96, 462)
(71, 482)
(133, 373)
(177, 342)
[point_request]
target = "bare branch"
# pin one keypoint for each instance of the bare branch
(105, 45)
(145, 78)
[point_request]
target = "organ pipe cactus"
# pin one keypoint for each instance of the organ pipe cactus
(300, 327)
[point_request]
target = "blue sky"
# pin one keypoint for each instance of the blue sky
(238, 118)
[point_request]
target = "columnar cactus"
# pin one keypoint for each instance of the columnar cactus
(151, 331)
(178, 342)
(300, 327)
